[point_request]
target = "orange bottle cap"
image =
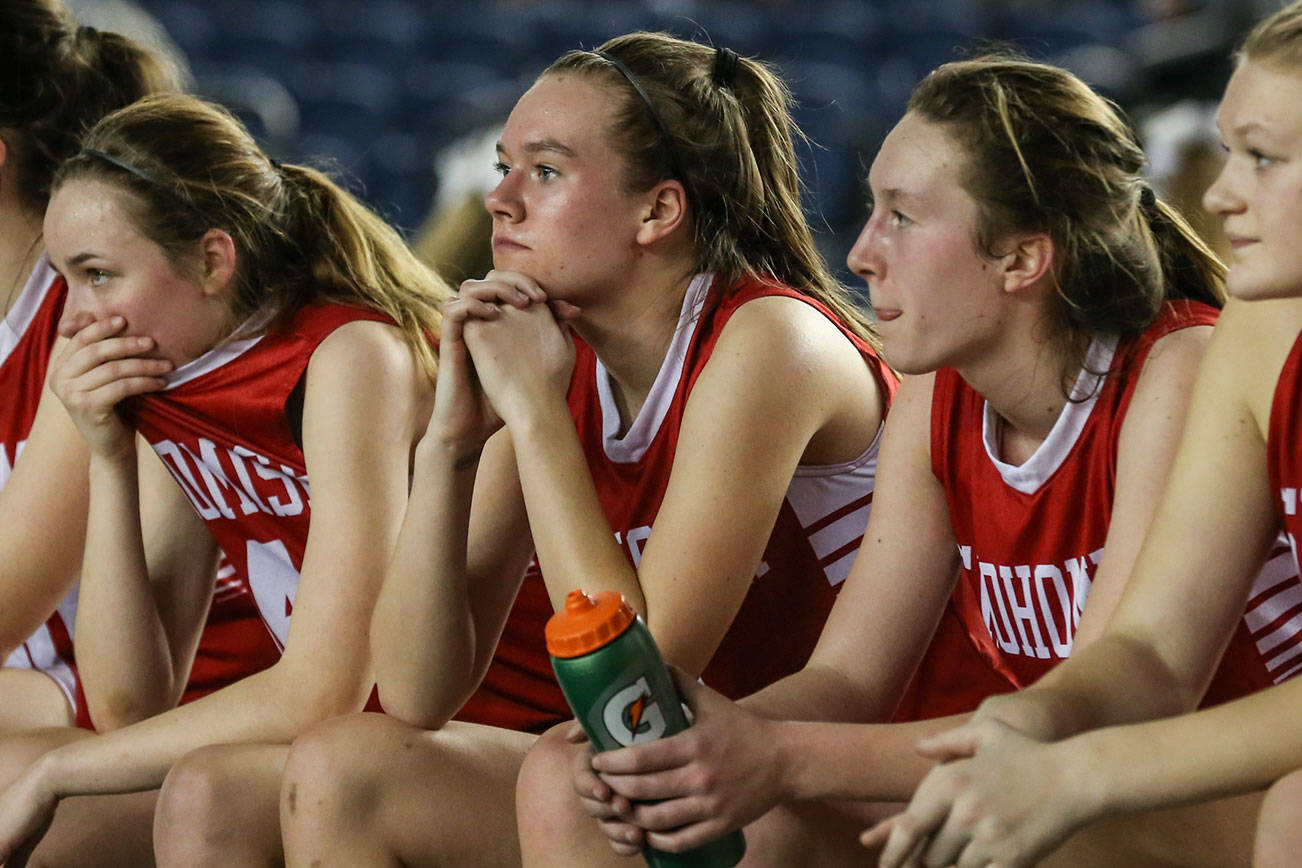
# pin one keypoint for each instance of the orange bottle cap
(587, 622)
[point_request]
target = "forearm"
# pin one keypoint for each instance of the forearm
(576, 546)
(863, 762)
(122, 647)
(818, 693)
(423, 638)
(271, 707)
(1085, 692)
(1238, 747)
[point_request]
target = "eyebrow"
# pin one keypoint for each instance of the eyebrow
(894, 194)
(543, 145)
(82, 257)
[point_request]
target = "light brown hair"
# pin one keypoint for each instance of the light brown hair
(56, 80)
(1045, 153)
(1277, 39)
(188, 166)
(730, 143)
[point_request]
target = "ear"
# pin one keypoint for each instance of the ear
(665, 211)
(218, 260)
(1029, 260)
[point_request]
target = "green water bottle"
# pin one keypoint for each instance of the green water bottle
(613, 677)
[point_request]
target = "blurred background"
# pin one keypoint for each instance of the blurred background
(402, 99)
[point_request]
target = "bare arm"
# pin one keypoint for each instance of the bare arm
(462, 550)
(357, 442)
(792, 739)
(1205, 544)
(441, 610)
(145, 590)
(779, 375)
(42, 523)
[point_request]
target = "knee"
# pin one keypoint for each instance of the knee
(544, 792)
(192, 819)
(327, 770)
(1279, 839)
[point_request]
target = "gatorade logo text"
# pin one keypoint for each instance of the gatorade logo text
(632, 717)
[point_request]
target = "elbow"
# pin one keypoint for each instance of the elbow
(423, 715)
(1167, 690)
(427, 706)
(419, 700)
(120, 709)
(308, 698)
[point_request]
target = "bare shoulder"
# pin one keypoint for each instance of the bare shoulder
(785, 328)
(1249, 346)
(366, 343)
(365, 373)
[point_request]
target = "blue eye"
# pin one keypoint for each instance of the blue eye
(96, 277)
(1260, 160)
(545, 173)
(899, 220)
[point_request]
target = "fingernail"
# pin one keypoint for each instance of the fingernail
(117, 321)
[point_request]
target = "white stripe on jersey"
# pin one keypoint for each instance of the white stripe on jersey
(1277, 594)
(819, 496)
(25, 308)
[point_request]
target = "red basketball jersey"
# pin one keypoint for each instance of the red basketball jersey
(1274, 613)
(814, 539)
(26, 337)
(221, 428)
(1030, 537)
(233, 643)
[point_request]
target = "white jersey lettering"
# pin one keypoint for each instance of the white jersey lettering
(225, 471)
(1024, 605)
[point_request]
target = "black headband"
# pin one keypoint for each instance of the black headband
(726, 62)
(122, 164)
(637, 86)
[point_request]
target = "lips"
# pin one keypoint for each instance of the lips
(504, 243)
(886, 314)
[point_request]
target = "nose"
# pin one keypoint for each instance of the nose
(1221, 197)
(504, 199)
(77, 312)
(862, 258)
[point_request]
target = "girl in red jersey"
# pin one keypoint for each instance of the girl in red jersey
(238, 315)
(1033, 768)
(56, 80)
(1054, 314)
(691, 419)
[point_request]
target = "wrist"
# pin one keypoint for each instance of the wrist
(459, 454)
(115, 462)
(783, 737)
(537, 420)
(1084, 776)
(47, 772)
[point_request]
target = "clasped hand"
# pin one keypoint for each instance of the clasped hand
(997, 797)
(504, 349)
(98, 369)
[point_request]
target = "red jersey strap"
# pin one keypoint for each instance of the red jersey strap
(748, 289)
(1175, 316)
(1285, 422)
(714, 315)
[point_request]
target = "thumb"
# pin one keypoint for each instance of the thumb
(959, 743)
(563, 310)
(692, 692)
(576, 734)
